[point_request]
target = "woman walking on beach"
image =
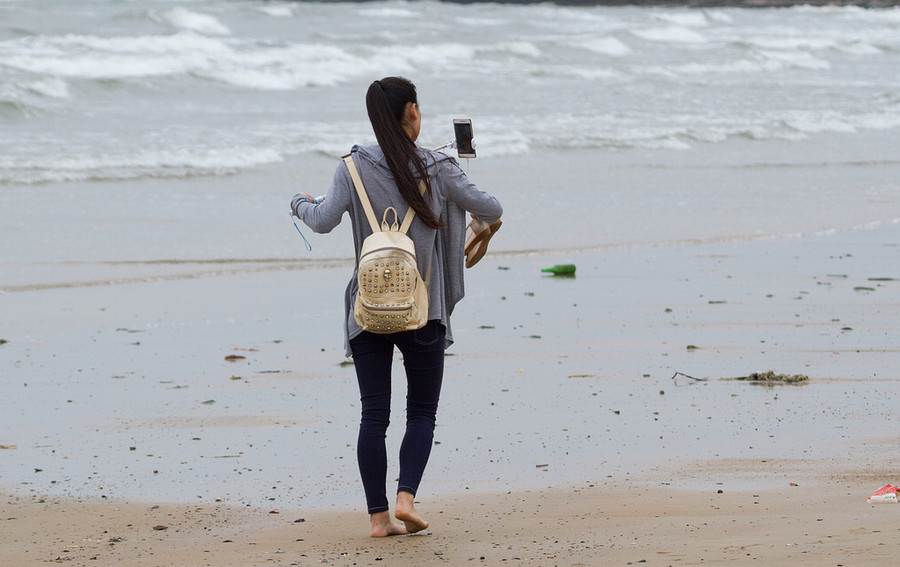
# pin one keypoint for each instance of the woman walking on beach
(391, 172)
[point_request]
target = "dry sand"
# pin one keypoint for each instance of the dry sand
(824, 523)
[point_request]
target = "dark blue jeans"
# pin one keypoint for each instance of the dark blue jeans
(423, 358)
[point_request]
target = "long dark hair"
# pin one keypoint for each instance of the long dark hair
(386, 102)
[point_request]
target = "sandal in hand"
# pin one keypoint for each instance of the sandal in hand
(478, 234)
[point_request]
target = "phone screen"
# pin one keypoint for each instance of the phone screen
(462, 127)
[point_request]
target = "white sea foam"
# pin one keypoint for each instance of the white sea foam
(794, 59)
(389, 13)
(736, 67)
(597, 73)
(718, 16)
(670, 34)
(524, 48)
(759, 62)
(88, 67)
(793, 43)
(92, 57)
(30, 95)
(888, 16)
(278, 10)
(685, 18)
(481, 22)
(810, 122)
(180, 42)
(146, 163)
(435, 55)
(53, 87)
(605, 45)
(285, 68)
(859, 48)
(187, 20)
(241, 64)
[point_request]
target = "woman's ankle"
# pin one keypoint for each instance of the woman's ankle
(383, 525)
(405, 500)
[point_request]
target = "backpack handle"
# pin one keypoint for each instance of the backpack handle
(384, 223)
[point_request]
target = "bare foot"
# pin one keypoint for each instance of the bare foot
(383, 525)
(406, 513)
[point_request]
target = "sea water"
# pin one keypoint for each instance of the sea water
(205, 117)
(117, 90)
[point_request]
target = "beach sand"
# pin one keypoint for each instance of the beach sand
(568, 433)
(814, 523)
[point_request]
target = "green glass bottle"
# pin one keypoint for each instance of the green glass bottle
(561, 270)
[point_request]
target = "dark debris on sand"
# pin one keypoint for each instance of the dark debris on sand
(772, 378)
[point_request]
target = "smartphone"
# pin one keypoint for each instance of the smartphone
(465, 142)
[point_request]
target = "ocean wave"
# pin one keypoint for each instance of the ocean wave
(860, 48)
(184, 153)
(678, 131)
(520, 48)
(832, 121)
(279, 10)
(184, 19)
(52, 87)
(697, 19)
(481, 22)
(287, 68)
(497, 136)
(670, 34)
(756, 62)
(605, 45)
(390, 12)
(792, 60)
(239, 63)
(889, 16)
(793, 40)
(128, 166)
(26, 97)
(291, 65)
(824, 43)
(94, 57)
(125, 90)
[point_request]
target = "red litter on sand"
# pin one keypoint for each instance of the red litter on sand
(887, 493)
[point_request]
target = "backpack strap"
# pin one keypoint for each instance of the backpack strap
(361, 191)
(367, 206)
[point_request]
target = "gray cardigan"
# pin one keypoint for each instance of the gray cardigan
(451, 195)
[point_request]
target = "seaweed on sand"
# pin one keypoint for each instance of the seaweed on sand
(772, 378)
(765, 378)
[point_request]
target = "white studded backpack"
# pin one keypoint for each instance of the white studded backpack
(392, 296)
